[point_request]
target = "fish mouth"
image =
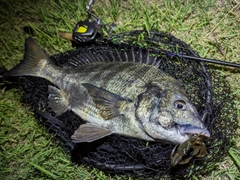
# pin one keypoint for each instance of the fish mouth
(186, 130)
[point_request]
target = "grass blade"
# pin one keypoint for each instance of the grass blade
(43, 170)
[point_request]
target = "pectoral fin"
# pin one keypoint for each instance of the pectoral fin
(57, 100)
(109, 104)
(89, 133)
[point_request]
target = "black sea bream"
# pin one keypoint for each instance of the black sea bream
(131, 99)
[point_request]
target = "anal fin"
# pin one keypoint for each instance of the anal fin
(57, 100)
(89, 132)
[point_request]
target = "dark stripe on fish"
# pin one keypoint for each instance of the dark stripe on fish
(145, 101)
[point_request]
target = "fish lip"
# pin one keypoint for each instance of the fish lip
(186, 130)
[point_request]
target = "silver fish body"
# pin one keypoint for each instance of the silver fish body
(132, 99)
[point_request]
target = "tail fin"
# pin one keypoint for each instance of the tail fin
(32, 58)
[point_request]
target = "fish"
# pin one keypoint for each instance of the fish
(132, 99)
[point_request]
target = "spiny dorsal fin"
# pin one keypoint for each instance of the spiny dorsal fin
(109, 104)
(115, 55)
(32, 57)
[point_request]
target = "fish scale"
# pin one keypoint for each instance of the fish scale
(120, 82)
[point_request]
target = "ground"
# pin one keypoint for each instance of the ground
(211, 27)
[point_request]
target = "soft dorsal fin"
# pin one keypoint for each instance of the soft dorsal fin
(109, 104)
(138, 55)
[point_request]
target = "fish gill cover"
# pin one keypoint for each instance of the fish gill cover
(207, 89)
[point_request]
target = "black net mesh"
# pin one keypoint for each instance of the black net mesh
(123, 155)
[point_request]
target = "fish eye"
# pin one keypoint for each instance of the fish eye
(180, 104)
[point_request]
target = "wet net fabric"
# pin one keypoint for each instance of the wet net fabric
(206, 88)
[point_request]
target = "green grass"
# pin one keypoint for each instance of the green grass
(211, 27)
